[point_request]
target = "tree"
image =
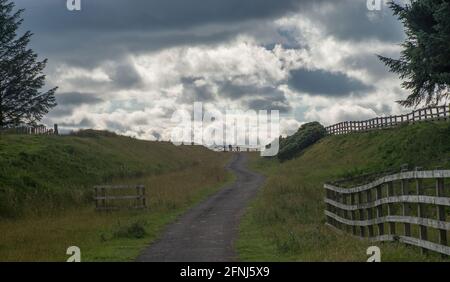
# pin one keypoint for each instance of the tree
(21, 74)
(306, 135)
(424, 63)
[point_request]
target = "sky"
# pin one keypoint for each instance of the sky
(127, 66)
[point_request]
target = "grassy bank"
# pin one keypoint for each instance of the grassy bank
(286, 221)
(41, 174)
(56, 212)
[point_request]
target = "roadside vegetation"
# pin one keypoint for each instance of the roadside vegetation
(286, 222)
(46, 193)
(307, 135)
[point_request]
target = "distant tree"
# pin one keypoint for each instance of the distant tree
(306, 135)
(424, 64)
(21, 74)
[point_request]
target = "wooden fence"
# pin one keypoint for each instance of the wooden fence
(109, 197)
(31, 130)
(410, 206)
(430, 113)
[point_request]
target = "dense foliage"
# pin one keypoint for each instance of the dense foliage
(424, 64)
(307, 135)
(21, 73)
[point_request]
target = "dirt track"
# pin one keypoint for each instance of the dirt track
(207, 232)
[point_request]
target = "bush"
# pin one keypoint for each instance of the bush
(92, 133)
(133, 231)
(307, 135)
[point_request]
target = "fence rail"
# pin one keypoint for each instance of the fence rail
(387, 203)
(108, 197)
(430, 113)
(31, 130)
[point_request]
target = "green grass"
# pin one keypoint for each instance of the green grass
(42, 227)
(286, 221)
(41, 174)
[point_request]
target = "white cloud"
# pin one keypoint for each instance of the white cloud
(153, 86)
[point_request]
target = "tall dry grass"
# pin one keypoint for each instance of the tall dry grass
(47, 238)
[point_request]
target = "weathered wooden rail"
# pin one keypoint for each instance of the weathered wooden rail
(430, 113)
(130, 196)
(31, 130)
(383, 210)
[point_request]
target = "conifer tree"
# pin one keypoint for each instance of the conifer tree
(21, 73)
(424, 64)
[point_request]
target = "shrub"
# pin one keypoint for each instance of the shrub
(307, 135)
(135, 231)
(93, 133)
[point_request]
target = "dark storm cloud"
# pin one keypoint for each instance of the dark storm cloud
(69, 101)
(156, 134)
(107, 27)
(76, 99)
(270, 103)
(225, 89)
(105, 32)
(84, 123)
(116, 126)
(233, 90)
(351, 20)
(320, 82)
(370, 63)
(121, 74)
(193, 92)
(145, 15)
(125, 76)
(61, 111)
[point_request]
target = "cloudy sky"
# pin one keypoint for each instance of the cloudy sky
(127, 66)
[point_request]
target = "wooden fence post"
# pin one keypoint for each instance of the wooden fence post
(327, 205)
(447, 112)
(421, 212)
(369, 211)
(144, 195)
(441, 216)
(339, 211)
(390, 192)
(405, 207)
(96, 197)
(380, 211)
(345, 212)
(103, 201)
(353, 212)
(361, 214)
(346, 205)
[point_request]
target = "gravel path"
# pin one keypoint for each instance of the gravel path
(207, 232)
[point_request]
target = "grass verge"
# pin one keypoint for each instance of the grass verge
(286, 221)
(114, 236)
(54, 210)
